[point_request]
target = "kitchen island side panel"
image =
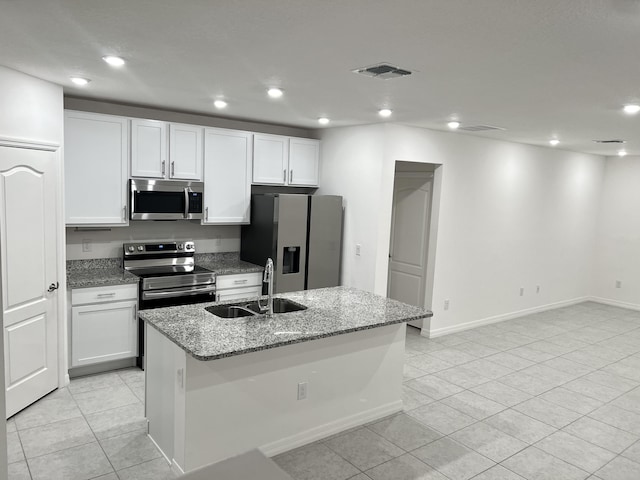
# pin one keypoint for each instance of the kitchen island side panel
(251, 401)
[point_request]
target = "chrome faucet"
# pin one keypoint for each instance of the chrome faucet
(268, 279)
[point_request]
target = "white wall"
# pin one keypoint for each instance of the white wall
(509, 216)
(618, 241)
(350, 166)
(31, 110)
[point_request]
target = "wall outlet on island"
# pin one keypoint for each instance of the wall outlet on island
(521, 291)
(86, 244)
(537, 288)
(446, 304)
(358, 248)
(618, 283)
(218, 240)
(302, 390)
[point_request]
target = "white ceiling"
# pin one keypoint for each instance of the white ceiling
(539, 68)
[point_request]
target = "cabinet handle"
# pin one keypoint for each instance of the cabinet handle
(135, 313)
(240, 281)
(291, 176)
(284, 175)
(110, 294)
(173, 169)
(163, 162)
(124, 213)
(217, 297)
(206, 214)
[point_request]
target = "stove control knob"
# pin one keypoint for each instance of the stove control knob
(131, 249)
(140, 248)
(180, 246)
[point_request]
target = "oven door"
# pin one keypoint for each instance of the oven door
(165, 200)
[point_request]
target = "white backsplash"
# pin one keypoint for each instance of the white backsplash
(108, 243)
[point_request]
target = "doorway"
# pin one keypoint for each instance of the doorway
(410, 230)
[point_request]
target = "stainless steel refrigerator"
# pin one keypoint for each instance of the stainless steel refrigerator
(301, 233)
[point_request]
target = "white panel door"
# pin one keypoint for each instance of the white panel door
(148, 148)
(96, 168)
(270, 159)
(227, 176)
(103, 332)
(28, 234)
(304, 155)
(185, 152)
(409, 238)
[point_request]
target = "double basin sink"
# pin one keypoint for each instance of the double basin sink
(249, 309)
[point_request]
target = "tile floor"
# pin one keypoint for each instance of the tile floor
(95, 428)
(551, 396)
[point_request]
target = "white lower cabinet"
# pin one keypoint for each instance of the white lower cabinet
(104, 324)
(235, 287)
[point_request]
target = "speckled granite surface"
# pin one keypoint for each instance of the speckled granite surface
(331, 311)
(225, 263)
(97, 272)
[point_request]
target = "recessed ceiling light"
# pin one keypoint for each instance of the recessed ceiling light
(622, 153)
(113, 61)
(553, 142)
(80, 81)
(384, 112)
(220, 104)
(453, 124)
(275, 92)
(323, 121)
(631, 109)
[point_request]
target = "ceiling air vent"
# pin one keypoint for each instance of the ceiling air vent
(479, 128)
(617, 140)
(383, 71)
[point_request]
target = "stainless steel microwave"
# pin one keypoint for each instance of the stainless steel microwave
(165, 200)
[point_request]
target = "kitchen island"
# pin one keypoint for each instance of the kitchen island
(219, 387)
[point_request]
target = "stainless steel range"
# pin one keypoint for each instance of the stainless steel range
(169, 274)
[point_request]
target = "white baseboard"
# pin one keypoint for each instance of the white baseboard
(438, 332)
(615, 303)
(331, 428)
(176, 469)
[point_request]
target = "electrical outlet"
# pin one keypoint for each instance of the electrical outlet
(302, 390)
(521, 291)
(218, 240)
(86, 245)
(358, 248)
(446, 304)
(618, 283)
(537, 288)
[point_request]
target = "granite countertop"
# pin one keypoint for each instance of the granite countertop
(225, 263)
(98, 272)
(331, 311)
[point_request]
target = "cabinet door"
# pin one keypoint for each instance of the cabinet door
(304, 156)
(270, 155)
(185, 152)
(227, 177)
(96, 166)
(103, 332)
(148, 148)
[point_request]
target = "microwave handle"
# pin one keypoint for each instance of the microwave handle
(186, 202)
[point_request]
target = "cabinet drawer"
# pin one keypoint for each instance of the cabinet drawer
(83, 296)
(239, 280)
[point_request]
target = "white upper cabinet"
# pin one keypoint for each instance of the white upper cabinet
(96, 169)
(166, 151)
(227, 176)
(148, 148)
(279, 160)
(304, 156)
(185, 152)
(270, 158)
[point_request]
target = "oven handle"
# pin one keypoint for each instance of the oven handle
(178, 293)
(186, 202)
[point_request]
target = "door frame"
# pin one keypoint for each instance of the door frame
(61, 310)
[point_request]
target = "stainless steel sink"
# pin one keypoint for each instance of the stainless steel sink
(247, 309)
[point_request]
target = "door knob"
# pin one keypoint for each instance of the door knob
(53, 286)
